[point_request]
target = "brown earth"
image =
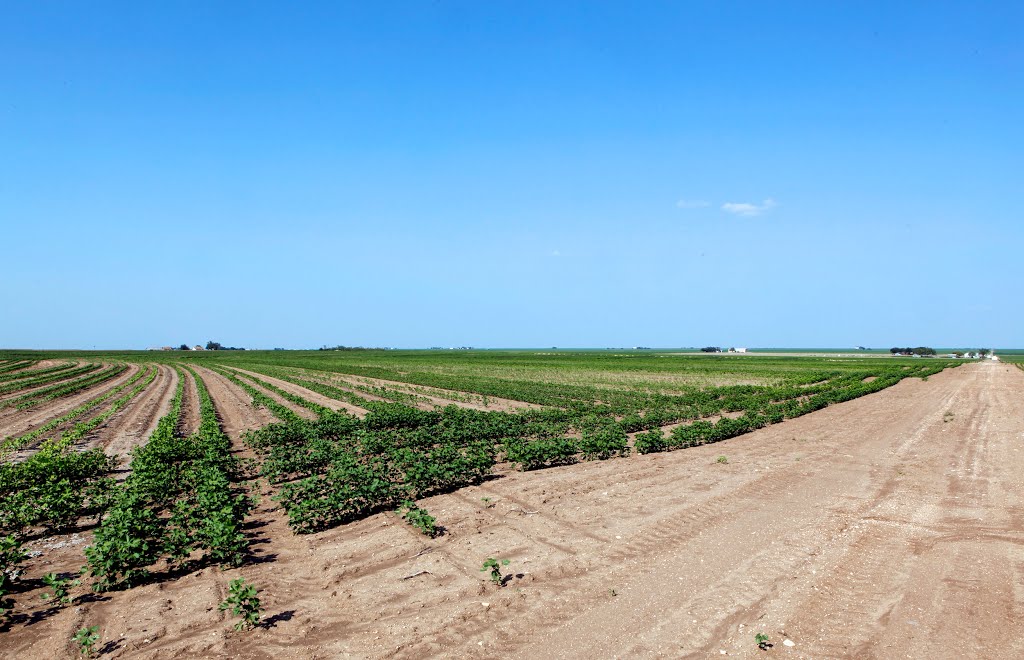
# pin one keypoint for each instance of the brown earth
(301, 411)
(872, 528)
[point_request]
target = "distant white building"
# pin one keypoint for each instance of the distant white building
(741, 350)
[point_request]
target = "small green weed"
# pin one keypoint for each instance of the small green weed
(86, 639)
(243, 602)
(723, 460)
(419, 518)
(493, 566)
(762, 641)
(61, 589)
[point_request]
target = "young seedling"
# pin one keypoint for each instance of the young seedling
(86, 639)
(243, 602)
(419, 518)
(948, 417)
(723, 460)
(762, 641)
(613, 593)
(487, 502)
(493, 566)
(61, 588)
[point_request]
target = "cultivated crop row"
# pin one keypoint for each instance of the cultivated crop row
(8, 366)
(179, 506)
(26, 382)
(339, 468)
(18, 375)
(64, 389)
(14, 444)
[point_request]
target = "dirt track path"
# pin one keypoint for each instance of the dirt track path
(872, 528)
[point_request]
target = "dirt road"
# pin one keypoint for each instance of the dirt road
(888, 526)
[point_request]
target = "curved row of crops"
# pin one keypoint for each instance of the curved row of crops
(339, 468)
(18, 375)
(33, 380)
(64, 388)
(8, 366)
(12, 444)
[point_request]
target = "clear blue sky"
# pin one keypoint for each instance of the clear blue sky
(511, 174)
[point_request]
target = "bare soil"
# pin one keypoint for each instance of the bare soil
(872, 528)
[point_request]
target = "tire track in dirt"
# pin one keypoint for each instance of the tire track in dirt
(16, 423)
(132, 425)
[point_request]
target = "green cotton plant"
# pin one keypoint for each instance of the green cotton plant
(419, 518)
(494, 566)
(61, 589)
(243, 601)
(86, 639)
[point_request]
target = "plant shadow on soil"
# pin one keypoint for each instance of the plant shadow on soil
(272, 622)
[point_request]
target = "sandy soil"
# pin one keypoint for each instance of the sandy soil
(871, 528)
(19, 422)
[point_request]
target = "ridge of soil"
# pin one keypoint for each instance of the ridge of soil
(878, 527)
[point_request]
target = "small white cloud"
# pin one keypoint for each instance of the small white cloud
(747, 209)
(692, 204)
(555, 253)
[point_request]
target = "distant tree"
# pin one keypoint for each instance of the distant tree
(213, 346)
(184, 347)
(711, 349)
(923, 350)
